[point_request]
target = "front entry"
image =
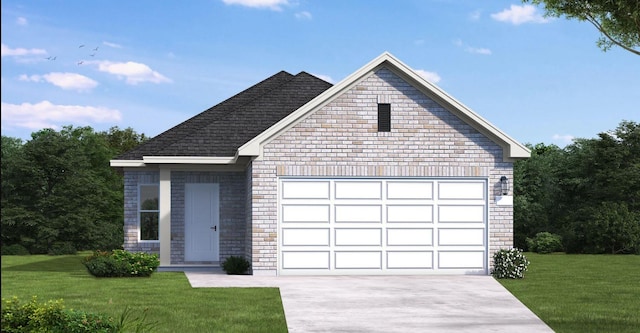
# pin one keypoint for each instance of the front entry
(202, 222)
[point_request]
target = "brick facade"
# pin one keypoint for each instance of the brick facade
(233, 204)
(342, 139)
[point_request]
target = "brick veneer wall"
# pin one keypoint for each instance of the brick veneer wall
(342, 139)
(232, 211)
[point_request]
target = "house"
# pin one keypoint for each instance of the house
(382, 173)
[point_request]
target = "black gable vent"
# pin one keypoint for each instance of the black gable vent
(384, 117)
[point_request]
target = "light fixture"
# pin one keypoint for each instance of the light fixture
(504, 185)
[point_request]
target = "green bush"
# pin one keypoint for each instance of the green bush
(121, 263)
(509, 264)
(18, 317)
(235, 265)
(14, 250)
(545, 242)
(62, 248)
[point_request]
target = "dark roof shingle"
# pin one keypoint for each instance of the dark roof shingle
(220, 130)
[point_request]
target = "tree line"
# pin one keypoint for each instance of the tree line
(59, 193)
(587, 192)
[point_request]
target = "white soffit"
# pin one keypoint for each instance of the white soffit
(512, 149)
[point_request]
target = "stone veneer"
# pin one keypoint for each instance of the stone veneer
(342, 139)
(233, 220)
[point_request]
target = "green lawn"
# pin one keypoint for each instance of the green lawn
(582, 293)
(571, 293)
(169, 299)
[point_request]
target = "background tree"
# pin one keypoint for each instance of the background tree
(58, 188)
(588, 192)
(617, 20)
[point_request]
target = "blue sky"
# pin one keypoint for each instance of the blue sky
(150, 65)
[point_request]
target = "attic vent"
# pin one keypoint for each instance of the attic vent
(384, 117)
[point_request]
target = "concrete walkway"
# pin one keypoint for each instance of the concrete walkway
(390, 303)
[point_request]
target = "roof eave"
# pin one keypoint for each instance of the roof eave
(191, 160)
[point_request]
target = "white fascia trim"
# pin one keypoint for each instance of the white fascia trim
(146, 160)
(188, 160)
(512, 149)
(126, 163)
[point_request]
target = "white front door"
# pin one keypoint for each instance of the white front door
(202, 222)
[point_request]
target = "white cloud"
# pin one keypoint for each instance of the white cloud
(66, 81)
(47, 115)
(260, 4)
(478, 50)
(475, 15)
(22, 21)
(520, 14)
(471, 49)
(324, 77)
(432, 77)
(303, 15)
(114, 45)
(7, 51)
(132, 72)
(564, 139)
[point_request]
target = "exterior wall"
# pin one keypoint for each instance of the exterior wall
(232, 211)
(342, 140)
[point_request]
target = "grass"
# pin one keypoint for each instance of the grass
(582, 293)
(167, 297)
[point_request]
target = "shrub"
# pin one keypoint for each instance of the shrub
(509, 264)
(61, 248)
(235, 265)
(121, 263)
(51, 317)
(14, 250)
(545, 242)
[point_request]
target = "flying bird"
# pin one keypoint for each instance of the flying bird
(96, 49)
(80, 62)
(51, 58)
(92, 54)
(81, 46)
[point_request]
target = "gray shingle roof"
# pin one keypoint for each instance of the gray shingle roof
(223, 128)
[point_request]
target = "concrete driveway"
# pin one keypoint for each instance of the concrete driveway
(390, 303)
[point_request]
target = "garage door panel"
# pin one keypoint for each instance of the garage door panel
(358, 190)
(410, 190)
(460, 237)
(305, 259)
(461, 190)
(305, 237)
(358, 259)
(358, 237)
(305, 213)
(305, 190)
(461, 259)
(410, 259)
(410, 237)
(358, 213)
(458, 213)
(409, 213)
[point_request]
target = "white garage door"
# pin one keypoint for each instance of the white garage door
(382, 226)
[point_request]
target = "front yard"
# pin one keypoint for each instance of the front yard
(571, 293)
(582, 293)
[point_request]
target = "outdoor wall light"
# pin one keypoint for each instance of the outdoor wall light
(504, 185)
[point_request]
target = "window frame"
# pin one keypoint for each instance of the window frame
(141, 211)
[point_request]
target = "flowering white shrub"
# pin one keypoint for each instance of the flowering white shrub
(509, 264)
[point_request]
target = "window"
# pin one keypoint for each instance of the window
(149, 212)
(384, 117)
